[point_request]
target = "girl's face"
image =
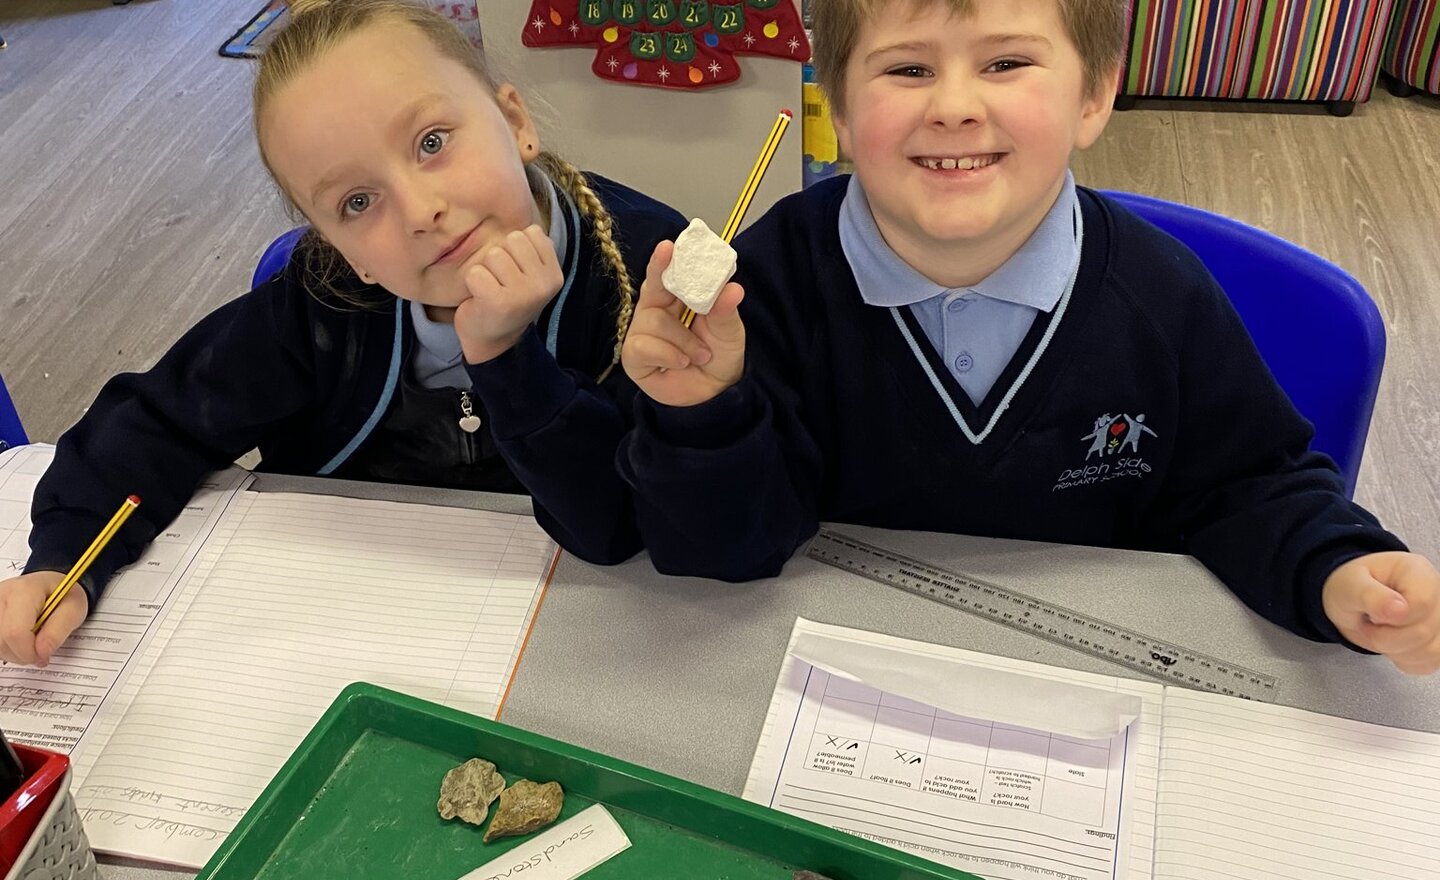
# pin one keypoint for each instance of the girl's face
(403, 160)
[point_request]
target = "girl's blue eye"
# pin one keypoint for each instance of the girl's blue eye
(356, 204)
(433, 142)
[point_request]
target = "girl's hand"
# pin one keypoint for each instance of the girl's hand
(509, 287)
(678, 365)
(21, 599)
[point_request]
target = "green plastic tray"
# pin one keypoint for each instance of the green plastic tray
(357, 800)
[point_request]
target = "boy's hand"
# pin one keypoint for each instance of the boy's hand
(676, 365)
(21, 599)
(1389, 603)
(509, 287)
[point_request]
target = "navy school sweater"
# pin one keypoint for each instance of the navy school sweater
(307, 380)
(1137, 414)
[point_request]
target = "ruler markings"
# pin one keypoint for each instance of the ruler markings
(1158, 658)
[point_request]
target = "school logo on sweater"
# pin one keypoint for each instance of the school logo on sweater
(1112, 452)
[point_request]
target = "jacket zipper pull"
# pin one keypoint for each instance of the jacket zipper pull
(469, 422)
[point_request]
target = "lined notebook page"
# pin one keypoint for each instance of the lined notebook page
(1140, 859)
(308, 594)
(103, 727)
(1249, 790)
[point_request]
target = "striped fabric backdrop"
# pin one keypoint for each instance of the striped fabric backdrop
(1412, 53)
(1293, 50)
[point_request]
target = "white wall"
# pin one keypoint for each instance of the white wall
(693, 150)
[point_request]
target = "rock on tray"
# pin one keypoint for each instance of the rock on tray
(468, 790)
(524, 807)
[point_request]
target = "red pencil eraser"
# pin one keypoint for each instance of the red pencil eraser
(134, 499)
(787, 114)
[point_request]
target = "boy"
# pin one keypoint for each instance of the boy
(958, 339)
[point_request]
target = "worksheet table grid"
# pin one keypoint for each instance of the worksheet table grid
(927, 749)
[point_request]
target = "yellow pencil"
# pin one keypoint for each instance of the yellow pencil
(78, 570)
(752, 183)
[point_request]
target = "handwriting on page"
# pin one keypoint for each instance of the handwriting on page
(55, 707)
(150, 823)
(563, 852)
(308, 594)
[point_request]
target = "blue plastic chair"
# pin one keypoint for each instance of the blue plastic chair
(1314, 325)
(276, 255)
(11, 433)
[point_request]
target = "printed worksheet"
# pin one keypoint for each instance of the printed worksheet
(55, 707)
(963, 758)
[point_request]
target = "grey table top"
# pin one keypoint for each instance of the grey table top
(677, 673)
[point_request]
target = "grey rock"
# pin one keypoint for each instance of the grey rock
(468, 790)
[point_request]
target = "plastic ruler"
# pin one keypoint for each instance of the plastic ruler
(1160, 659)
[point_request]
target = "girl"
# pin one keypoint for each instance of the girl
(452, 318)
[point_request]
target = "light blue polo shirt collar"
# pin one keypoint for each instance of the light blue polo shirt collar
(1036, 275)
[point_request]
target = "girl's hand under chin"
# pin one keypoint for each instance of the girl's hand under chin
(509, 287)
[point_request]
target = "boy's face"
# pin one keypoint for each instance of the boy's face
(961, 129)
(403, 160)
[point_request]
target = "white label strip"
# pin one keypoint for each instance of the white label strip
(564, 852)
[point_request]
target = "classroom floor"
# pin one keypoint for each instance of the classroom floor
(132, 202)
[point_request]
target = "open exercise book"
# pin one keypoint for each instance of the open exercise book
(1015, 770)
(210, 658)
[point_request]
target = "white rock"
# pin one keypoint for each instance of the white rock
(701, 265)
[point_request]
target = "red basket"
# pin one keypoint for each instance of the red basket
(22, 812)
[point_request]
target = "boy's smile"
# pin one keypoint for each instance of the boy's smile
(961, 128)
(959, 163)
